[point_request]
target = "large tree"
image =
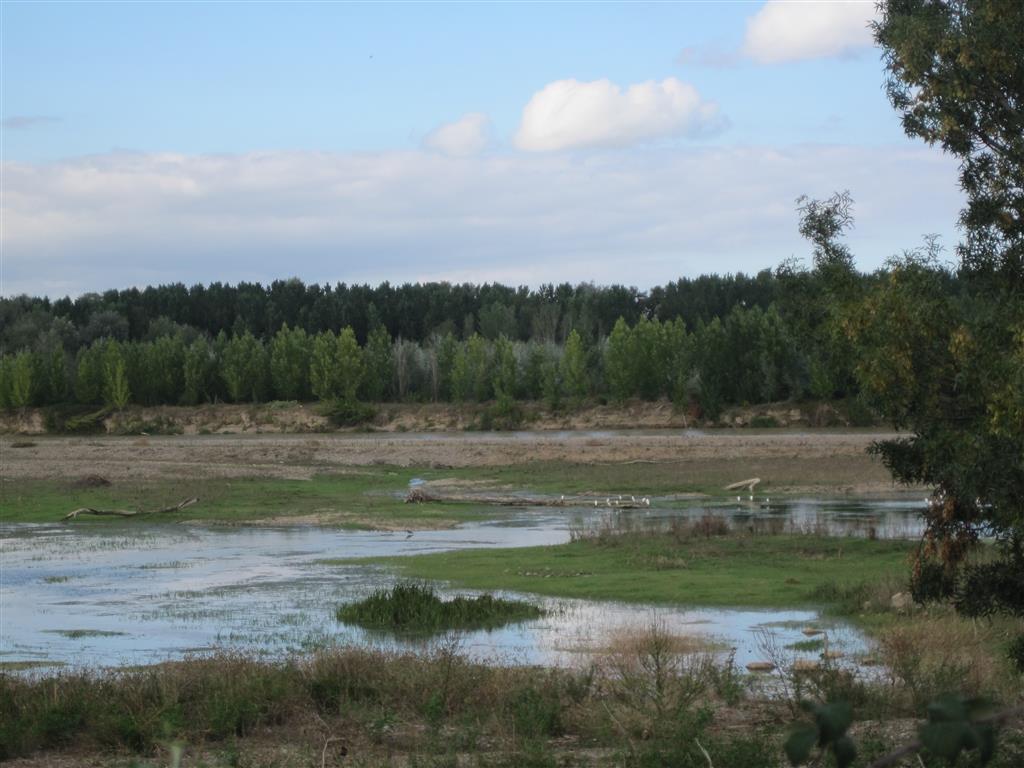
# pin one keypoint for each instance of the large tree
(950, 368)
(956, 76)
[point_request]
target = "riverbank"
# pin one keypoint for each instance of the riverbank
(291, 417)
(361, 480)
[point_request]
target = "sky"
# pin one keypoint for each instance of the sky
(522, 143)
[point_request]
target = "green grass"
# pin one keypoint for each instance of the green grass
(807, 646)
(413, 607)
(737, 570)
(365, 498)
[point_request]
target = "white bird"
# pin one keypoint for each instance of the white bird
(737, 498)
(647, 501)
(595, 502)
(633, 498)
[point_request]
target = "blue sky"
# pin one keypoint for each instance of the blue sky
(525, 143)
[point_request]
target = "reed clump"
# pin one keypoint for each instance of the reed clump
(415, 607)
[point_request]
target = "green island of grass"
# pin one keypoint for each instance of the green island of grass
(734, 570)
(413, 607)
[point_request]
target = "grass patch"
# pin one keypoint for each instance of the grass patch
(365, 498)
(413, 607)
(372, 496)
(771, 571)
(807, 646)
(21, 666)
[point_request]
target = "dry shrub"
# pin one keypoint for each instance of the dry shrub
(930, 655)
(654, 677)
(767, 526)
(710, 525)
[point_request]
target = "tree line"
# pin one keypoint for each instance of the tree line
(414, 312)
(750, 355)
(705, 343)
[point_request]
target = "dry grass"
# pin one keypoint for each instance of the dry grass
(936, 652)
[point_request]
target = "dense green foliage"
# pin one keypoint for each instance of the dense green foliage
(949, 366)
(784, 343)
(414, 312)
(415, 607)
(709, 340)
(750, 356)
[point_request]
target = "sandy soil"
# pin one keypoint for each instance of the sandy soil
(305, 418)
(809, 459)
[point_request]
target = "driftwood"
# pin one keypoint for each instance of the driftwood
(128, 512)
(421, 496)
(748, 484)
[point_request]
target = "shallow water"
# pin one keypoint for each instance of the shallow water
(114, 594)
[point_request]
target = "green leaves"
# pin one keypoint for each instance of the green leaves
(951, 729)
(955, 725)
(827, 732)
(800, 743)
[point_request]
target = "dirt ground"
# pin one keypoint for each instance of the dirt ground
(289, 417)
(805, 460)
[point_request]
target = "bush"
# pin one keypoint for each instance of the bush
(859, 413)
(1016, 652)
(536, 712)
(348, 413)
(74, 419)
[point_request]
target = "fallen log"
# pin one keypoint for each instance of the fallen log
(748, 484)
(128, 512)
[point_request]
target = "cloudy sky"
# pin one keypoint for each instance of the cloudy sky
(521, 143)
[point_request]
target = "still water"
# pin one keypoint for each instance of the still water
(114, 594)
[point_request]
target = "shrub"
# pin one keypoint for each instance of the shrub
(74, 419)
(1016, 652)
(348, 413)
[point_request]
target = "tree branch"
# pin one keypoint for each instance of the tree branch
(128, 512)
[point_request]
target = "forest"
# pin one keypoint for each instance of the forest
(704, 342)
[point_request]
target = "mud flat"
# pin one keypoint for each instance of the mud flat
(806, 461)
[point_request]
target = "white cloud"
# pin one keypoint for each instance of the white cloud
(468, 135)
(638, 218)
(568, 114)
(784, 30)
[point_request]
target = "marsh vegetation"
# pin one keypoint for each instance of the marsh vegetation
(416, 607)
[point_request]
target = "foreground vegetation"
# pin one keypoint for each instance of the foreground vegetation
(646, 701)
